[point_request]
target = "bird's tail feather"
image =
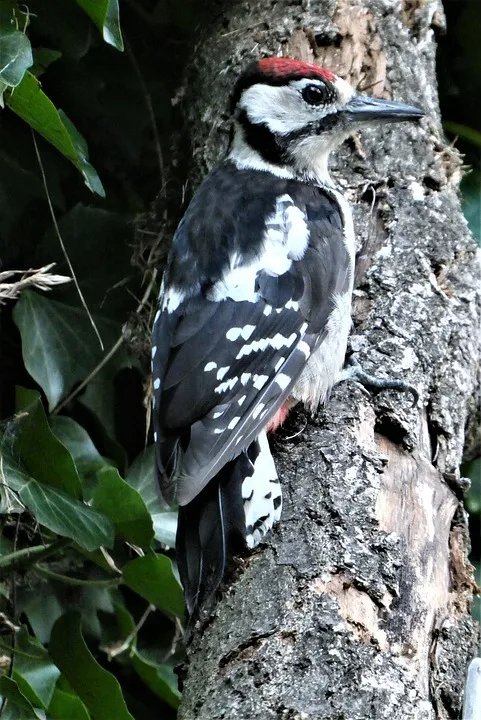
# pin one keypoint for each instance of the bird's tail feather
(237, 508)
(211, 529)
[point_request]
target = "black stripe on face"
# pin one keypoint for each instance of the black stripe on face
(274, 148)
(270, 147)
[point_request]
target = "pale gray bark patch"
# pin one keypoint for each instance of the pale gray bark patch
(358, 607)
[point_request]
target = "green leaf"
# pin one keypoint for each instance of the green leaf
(141, 476)
(99, 245)
(471, 194)
(61, 349)
(77, 441)
(30, 103)
(34, 672)
(105, 14)
(66, 705)
(124, 506)
(57, 511)
(81, 148)
(67, 517)
(18, 706)
(15, 56)
(468, 133)
(41, 453)
(43, 58)
(161, 679)
(152, 577)
(472, 470)
(97, 688)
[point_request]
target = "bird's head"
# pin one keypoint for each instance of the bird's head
(289, 115)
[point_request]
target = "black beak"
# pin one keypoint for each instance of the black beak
(368, 109)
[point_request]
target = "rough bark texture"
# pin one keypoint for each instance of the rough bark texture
(358, 607)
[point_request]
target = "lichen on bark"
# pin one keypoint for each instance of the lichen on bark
(358, 605)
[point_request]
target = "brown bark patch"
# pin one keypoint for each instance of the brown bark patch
(356, 608)
(359, 56)
(463, 585)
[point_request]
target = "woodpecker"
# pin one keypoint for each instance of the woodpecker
(254, 309)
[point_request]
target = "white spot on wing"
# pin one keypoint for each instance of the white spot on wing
(283, 380)
(245, 377)
(154, 350)
(241, 400)
(247, 331)
(257, 410)
(156, 384)
(222, 371)
(279, 341)
(304, 348)
(210, 366)
(233, 423)
(260, 381)
(254, 346)
(279, 363)
(227, 385)
(233, 334)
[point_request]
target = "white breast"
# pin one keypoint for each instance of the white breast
(322, 370)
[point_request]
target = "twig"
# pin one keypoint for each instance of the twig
(64, 249)
(128, 640)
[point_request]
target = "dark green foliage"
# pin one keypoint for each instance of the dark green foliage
(84, 568)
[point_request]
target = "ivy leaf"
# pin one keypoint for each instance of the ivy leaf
(125, 508)
(152, 576)
(99, 245)
(67, 517)
(15, 56)
(105, 14)
(34, 672)
(57, 511)
(42, 58)
(141, 476)
(161, 679)
(30, 103)
(98, 689)
(41, 453)
(66, 705)
(18, 706)
(76, 439)
(61, 349)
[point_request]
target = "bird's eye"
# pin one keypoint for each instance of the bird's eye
(313, 94)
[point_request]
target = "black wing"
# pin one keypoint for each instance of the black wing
(231, 342)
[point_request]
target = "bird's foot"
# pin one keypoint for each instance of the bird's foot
(353, 372)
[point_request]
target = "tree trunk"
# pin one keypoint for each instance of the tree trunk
(358, 605)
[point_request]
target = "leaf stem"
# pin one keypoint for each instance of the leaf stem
(28, 556)
(78, 582)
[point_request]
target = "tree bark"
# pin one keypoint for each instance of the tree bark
(358, 605)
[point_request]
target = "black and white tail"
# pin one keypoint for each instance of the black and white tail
(237, 508)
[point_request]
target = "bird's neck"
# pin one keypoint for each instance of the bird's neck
(306, 161)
